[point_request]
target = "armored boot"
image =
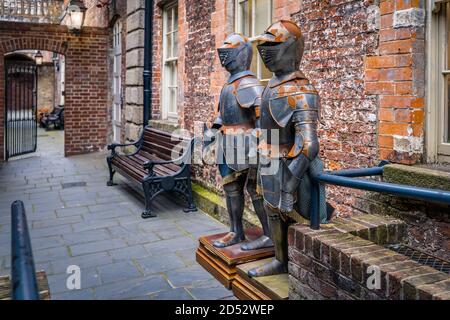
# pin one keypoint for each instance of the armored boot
(264, 241)
(279, 229)
(235, 204)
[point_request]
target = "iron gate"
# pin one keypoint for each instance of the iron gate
(21, 107)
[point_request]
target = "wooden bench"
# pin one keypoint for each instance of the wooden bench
(152, 166)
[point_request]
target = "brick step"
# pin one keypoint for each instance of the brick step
(347, 260)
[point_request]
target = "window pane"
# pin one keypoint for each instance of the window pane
(175, 18)
(245, 17)
(262, 16)
(175, 44)
(447, 82)
(169, 45)
(447, 131)
(169, 24)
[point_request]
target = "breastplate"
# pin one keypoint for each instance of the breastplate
(286, 135)
(232, 113)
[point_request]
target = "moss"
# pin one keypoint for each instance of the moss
(204, 193)
(417, 176)
(214, 205)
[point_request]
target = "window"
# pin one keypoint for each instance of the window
(252, 19)
(117, 82)
(446, 72)
(439, 83)
(170, 60)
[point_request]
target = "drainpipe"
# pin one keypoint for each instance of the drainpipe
(148, 59)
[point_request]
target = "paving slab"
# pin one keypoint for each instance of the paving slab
(100, 230)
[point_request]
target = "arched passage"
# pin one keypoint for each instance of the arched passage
(86, 100)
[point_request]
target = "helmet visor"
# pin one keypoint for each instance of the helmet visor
(269, 52)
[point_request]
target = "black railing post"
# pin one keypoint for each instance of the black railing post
(148, 61)
(24, 284)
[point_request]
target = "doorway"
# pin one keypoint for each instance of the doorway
(34, 100)
(21, 105)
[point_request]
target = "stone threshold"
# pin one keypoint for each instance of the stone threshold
(346, 260)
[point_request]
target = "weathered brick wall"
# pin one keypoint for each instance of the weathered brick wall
(46, 89)
(86, 78)
(339, 35)
(366, 58)
(347, 261)
(396, 75)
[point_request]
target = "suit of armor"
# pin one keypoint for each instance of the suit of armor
(238, 114)
(289, 119)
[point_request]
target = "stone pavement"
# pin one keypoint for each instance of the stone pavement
(75, 219)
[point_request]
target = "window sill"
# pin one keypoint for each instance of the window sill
(168, 125)
(424, 176)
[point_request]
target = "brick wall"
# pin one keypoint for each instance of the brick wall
(86, 78)
(46, 89)
(365, 57)
(339, 35)
(396, 74)
(347, 261)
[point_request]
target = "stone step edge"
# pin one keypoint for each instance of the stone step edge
(343, 261)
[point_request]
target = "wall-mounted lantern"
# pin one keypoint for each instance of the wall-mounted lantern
(75, 13)
(39, 58)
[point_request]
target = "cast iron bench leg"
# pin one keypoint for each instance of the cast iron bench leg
(149, 194)
(110, 183)
(189, 197)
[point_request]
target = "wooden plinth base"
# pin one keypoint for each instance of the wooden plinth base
(262, 288)
(222, 263)
(41, 277)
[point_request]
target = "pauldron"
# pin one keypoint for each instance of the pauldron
(291, 97)
(249, 92)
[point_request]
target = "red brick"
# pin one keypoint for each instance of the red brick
(387, 7)
(388, 128)
(396, 47)
(403, 115)
(395, 102)
(386, 142)
(386, 114)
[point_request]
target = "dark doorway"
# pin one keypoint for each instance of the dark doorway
(21, 105)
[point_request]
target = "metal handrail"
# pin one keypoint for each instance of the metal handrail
(24, 283)
(345, 178)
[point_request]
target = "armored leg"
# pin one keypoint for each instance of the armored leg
(279, 230)
(258, 204)
(110, 183)
(234, 192)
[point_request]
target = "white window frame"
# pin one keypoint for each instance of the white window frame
(117, 82)
(238, 28)
(438, 147)
(166, 112)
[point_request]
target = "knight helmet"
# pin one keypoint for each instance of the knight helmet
(281, 47)
(236, 53)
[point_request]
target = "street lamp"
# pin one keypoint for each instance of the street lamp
(39, 58)
(75, 13)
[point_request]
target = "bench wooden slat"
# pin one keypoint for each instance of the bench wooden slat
(155, 145)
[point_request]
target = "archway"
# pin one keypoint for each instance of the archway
(86, 86)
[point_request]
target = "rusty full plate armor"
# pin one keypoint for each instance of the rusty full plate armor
(289, 148)
(238, 115)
